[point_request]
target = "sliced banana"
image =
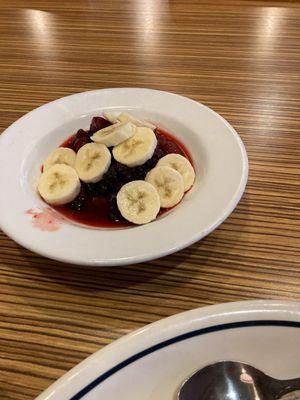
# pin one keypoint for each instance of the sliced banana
(168, 183)
(92, 161)
(112, 118)
(114, 134)
(180, 164)
(59, 184)
(61, 155)
(138, 149)
(125, 117)
(138, 202)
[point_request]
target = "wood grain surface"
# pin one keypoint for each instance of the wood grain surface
(242, 58)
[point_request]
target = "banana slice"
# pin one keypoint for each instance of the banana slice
(92, 161)
(59, 184)
(138, 149)
(112, 118)
(125, 117)
(168, 183)
(180, 164)
(61, 155)
(114, 134)
(138, 202)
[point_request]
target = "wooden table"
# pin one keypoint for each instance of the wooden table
(242, 58)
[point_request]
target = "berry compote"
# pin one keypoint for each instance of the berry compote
(96, 204)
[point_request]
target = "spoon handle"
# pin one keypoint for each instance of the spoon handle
(281, 387)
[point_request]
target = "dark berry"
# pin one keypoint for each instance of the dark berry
(79, 202)
(166, 145)
(97, 124)
(149, 165)
(98, 189)
(114, 213)
(124, 173)
(111, 174)
(161, 139)
(140, 172)
(80, 139)
(158, 153)
(171, 147)
(115, 216)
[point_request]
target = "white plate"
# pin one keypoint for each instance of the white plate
(221, 173)
(151, 363)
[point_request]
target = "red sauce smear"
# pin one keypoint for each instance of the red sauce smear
(97, 211)
(44, 220)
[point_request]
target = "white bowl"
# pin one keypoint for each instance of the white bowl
(153, 362)
(219, 157)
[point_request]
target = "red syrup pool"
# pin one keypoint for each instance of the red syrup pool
(96, 205)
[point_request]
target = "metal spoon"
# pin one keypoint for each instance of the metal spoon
(229, 380)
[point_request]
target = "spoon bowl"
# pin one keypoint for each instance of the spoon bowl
(230, 380)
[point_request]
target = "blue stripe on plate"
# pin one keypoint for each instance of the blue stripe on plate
(176, 339)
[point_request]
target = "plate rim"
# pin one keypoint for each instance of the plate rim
(134, 259)
(226, 313)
